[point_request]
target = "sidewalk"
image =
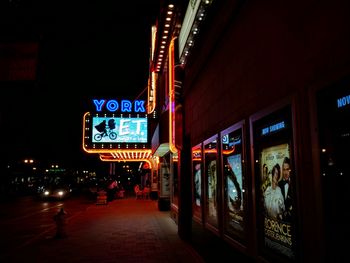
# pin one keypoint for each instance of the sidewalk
(125, 230)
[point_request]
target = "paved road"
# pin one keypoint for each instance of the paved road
(28, 218)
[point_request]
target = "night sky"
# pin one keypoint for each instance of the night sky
(87, 49)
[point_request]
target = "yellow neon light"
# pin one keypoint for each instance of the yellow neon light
(153, 41)
(210, 151)
(84, 129)
(228, 151)
(171, 69)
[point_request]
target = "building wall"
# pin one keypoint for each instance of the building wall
(252, 55)
(267, 52)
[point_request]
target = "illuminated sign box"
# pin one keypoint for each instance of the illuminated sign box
(112, 131)
(115, 124)
(119, 130)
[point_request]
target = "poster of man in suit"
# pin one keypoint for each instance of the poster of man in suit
(276, 198)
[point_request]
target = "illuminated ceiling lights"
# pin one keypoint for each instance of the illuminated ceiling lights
(195, 14)
(164, 38)
(126, 155)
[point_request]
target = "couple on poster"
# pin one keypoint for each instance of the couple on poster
(276, 185)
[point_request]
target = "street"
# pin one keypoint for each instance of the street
(26, 219)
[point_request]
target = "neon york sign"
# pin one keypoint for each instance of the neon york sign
(122, 106)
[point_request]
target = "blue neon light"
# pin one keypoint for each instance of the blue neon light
(273, 128)
(125, 105)
(344, 101)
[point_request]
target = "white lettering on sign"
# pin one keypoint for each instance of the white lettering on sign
(124, 126)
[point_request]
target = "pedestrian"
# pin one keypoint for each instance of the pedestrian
(112, 188)
(60, 219)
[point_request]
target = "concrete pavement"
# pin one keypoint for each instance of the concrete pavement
(125, 230)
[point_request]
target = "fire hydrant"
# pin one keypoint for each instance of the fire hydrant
(60, 219)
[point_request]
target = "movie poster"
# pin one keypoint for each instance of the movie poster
(197, 176)
(212, 192)
(197, 184)
(276, 199)
(234, 194)
(165, 181)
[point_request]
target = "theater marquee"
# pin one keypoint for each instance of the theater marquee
(115, 125)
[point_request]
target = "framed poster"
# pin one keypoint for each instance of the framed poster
(197, 182)
(211, 180)
(234, 182)
(174, 180)
(275, 185)
(164, 181)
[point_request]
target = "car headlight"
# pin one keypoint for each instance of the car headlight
(46, 192)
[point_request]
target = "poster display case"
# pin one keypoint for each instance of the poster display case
(275, 184)
(211, 181)
(197, 182)
(232, 150)
(164, 181)
(333, 126)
